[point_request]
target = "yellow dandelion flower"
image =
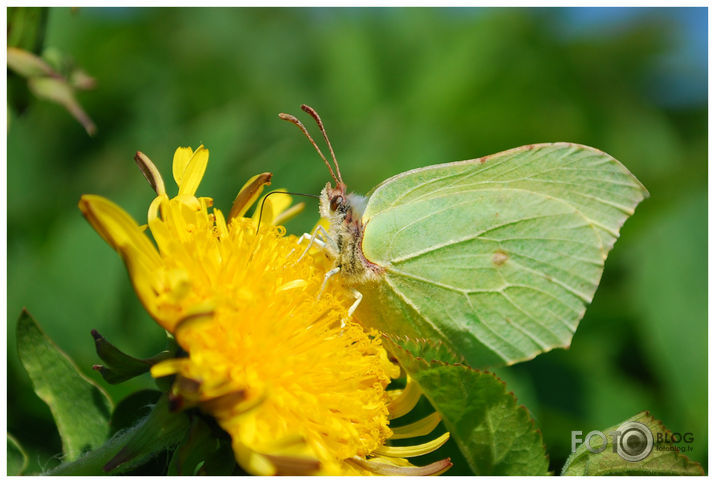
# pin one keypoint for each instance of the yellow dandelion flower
(298, 384)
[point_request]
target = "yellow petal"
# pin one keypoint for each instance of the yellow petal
(248, 194)
(404, 400)
(422, 427)
(182, 156)
(416, 450)
(189, 200)
(116, 226)
(221, 223)
(126, 237)
(153, 213)
(288, 214)
(271, 207)
(167, 367)
(252, 461)
(298, 283)
(194, 172)
(198, 316)
(143, 272)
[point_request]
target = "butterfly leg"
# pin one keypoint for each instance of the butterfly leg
(306, 236)
(321, 242)
(328, 274)
(313, 239)
(358, 299)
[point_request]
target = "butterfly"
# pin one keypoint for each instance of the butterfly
(496, 258)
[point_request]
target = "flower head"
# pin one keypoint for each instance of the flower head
(298, 384)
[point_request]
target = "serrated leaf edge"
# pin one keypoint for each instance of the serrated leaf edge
(530, 419)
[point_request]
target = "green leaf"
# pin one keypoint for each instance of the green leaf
(190, 454)
(26, 27)
(222, 461)
(661, 460)
(80, 408)
(159, 430)
(202, 453)
(132, 408)
(495, 434)
(16, 457)
(428, 349)
(120, 366)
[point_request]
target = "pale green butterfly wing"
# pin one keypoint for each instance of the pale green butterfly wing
(495, 257)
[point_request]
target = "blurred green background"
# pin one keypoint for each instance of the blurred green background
(397, 89)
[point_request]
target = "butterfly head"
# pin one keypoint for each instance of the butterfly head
(343, 211)
(334, 202)
(341, 208)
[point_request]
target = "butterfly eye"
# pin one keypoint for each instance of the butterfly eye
(335, 202)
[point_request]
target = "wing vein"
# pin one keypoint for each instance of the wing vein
(409, 302)
(585, 298)
(462, 240)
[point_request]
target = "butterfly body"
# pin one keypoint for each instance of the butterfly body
(345, 232)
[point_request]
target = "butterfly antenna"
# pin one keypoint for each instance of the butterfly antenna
(315, 116)
(294, 120)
